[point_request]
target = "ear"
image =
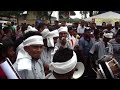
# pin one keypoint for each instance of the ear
(26, 48)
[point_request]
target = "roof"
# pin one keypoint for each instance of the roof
(106, 17)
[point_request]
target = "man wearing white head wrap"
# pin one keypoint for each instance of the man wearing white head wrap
(63, 40)
(63, 65)
(30, 28)
(101, 48)
(49, 48)
(28, 63)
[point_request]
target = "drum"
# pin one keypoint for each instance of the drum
(109, 69)
(114, 68)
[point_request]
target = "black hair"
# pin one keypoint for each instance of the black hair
(87, 30)
(70, 28)
(31, 33)
(63, 55)
(41, 25)
(25, 36)
(6, 30)
(96, 32)
(12, 23)
(118, 33)
(18, 41)
(7, 43)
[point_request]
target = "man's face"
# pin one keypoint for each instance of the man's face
(70, 32)
(34, 51)
(104, 25)
(82, 24)
(118, 38)
(116, 24)
(87, 34)
(63, 23)
(11, 54)
(109, 26)
(106, 39)
(63, 34)
(55, 39)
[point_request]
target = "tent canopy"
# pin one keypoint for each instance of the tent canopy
(108, 17)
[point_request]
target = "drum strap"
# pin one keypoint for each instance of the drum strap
(105, 69)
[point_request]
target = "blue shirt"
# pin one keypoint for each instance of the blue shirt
(85, 46)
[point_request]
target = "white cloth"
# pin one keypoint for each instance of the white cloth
(30, 28)
(64, 67)
(45, 32)
(50, 36)
(108, 35)
(80, 29)
(33, 40)
(23, 58)
(63, 29)
(67, 45)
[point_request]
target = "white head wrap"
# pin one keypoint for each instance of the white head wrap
(51, 35)
(23, 58)
(64, 67)
(30, 28)
(63, 29)
(45, 33)
(108, 35)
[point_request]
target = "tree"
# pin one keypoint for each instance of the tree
(91, 13)
(9, 14)
(84, 13)
(65, 14)
(44, 15)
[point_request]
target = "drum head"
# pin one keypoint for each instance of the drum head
(80, 70)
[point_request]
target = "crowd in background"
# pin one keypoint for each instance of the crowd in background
(89, 41)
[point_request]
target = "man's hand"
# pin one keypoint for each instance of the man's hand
(63, 41)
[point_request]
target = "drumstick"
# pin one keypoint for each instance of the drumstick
(94, 70)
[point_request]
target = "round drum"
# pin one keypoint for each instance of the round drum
(109, 69)
(114, 68)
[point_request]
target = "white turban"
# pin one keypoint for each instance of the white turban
(63, 29)
(51, 35)
(45, 33)
(30, 28)
(108, 35)
(64, 67)
(23, 58)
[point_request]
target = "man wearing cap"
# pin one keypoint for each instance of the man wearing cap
(64, 65)
(116, 46)
(101, 48)
(63, 40)
(28, 63)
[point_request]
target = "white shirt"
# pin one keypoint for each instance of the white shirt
(47, 55)
(80, 29)
(67, 45)
(37, 71)
(115, 31)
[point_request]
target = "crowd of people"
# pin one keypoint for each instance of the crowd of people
(44, 51)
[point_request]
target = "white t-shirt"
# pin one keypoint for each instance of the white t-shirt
(80, 29)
